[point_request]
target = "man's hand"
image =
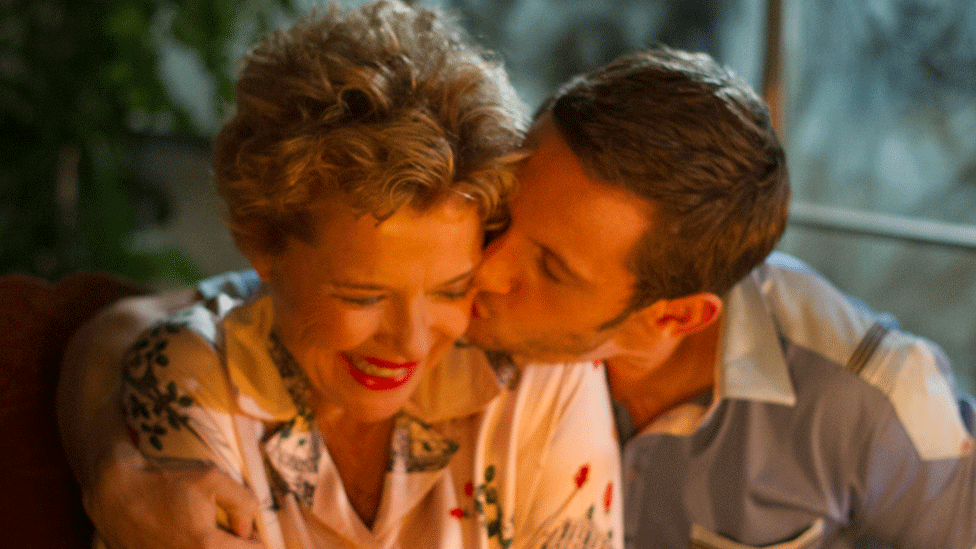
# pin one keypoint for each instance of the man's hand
(137, 505)
(133, 503)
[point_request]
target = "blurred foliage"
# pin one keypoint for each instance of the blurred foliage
(77, 81)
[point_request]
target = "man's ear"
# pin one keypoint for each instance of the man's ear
(686, 315)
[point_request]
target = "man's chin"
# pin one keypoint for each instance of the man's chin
(479, 334)
(491, 342)
(527, 352)
(533, 350)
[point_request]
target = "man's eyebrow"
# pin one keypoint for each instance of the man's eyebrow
(575, 276)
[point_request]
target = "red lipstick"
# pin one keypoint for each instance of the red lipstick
(376, 382)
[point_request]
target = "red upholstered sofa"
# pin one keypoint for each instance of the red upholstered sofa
(40, 505)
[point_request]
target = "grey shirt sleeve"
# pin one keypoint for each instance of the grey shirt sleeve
(909, 500)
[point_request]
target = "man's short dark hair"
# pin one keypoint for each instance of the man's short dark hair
(682, 132)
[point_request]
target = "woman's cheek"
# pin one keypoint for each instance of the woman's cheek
(457, 316)
(328, 329)
(347, 329)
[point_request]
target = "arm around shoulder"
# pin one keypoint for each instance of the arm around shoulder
(89, 392)
(133, 503)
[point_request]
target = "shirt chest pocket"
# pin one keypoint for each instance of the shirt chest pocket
(702, 538)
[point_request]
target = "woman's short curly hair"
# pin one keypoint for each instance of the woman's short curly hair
(383, 106)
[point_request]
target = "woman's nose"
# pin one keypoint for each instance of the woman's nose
(413, 333)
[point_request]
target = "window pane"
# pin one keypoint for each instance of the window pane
(881, 114)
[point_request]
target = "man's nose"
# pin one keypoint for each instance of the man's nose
(494, 274)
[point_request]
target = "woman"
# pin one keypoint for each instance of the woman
(368, 152)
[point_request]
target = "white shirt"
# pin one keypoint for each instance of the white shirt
(473, 462)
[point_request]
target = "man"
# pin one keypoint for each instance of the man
(756, 405)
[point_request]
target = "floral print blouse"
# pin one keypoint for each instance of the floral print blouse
(474, 462)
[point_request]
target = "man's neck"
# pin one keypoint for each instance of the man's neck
(649, 385)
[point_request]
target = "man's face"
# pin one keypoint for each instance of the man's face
(559, 273)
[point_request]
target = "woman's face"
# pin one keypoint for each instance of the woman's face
(369, 307)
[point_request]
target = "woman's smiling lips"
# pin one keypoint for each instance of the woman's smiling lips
(378, 374)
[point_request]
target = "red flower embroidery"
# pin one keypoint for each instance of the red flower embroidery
(596, 364)
(469, 488)
(457, 513)
(608, 496)
(967, 446)
(581, 475)
(133, 435)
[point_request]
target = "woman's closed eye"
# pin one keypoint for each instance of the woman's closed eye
(359, 300)
(455, 295)
(457, 291)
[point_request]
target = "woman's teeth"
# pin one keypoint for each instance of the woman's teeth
(380, 371)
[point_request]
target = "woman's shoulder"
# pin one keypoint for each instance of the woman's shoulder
(193, 333)
(182, 349)
(563, 384)
(175, 389)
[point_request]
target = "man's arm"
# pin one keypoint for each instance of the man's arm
(133, 503)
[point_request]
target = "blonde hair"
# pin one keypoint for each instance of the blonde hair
(382, 106)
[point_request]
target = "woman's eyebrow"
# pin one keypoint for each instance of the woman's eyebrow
(343, 285)
(369, 287)
(456, 279)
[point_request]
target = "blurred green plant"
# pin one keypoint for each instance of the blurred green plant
(77, 81)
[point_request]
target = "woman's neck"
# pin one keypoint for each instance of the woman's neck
(361, 454)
